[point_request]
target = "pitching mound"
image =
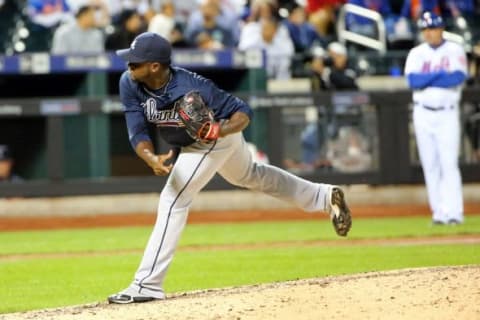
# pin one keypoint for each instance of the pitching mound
(426, 293)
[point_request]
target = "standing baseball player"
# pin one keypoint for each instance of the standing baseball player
(153, 91)
(436, 70)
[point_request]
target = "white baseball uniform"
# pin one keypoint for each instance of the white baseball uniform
(435, 75)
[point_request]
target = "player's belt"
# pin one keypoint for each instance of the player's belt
(435, 108)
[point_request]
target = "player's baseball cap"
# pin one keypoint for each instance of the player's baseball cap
(430, 20)
(147, 47)
(5, 152)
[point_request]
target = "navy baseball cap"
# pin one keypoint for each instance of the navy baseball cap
(430, 20)
(147, 47)
(5, 152)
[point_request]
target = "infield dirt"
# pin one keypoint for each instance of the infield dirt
(425, 293)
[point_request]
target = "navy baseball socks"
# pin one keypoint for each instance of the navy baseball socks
(339, 211)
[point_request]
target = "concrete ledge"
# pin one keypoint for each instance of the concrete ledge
(211, 200)
(303, 85)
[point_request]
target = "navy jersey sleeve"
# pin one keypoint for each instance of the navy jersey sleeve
(221, 102)
(136, 122)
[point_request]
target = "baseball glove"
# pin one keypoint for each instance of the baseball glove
(197, 117)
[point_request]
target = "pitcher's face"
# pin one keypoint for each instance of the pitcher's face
(140, 71)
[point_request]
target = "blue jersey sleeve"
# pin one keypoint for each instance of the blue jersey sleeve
(136, 122)
(447, 80)
(221, 102)
(421, 80)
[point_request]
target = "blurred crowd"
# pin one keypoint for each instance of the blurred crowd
(299, 38)
(285, 29)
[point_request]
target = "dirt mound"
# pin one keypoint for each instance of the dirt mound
(424, 293)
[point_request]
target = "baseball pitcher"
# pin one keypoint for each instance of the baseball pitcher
(206, 124)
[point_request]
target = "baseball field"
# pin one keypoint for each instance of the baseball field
(393, 267)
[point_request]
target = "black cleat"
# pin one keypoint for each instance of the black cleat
(339, 212)
(454, 222)
(121, 298)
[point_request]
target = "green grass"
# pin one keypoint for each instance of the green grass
(35, 283)
(107, 239)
